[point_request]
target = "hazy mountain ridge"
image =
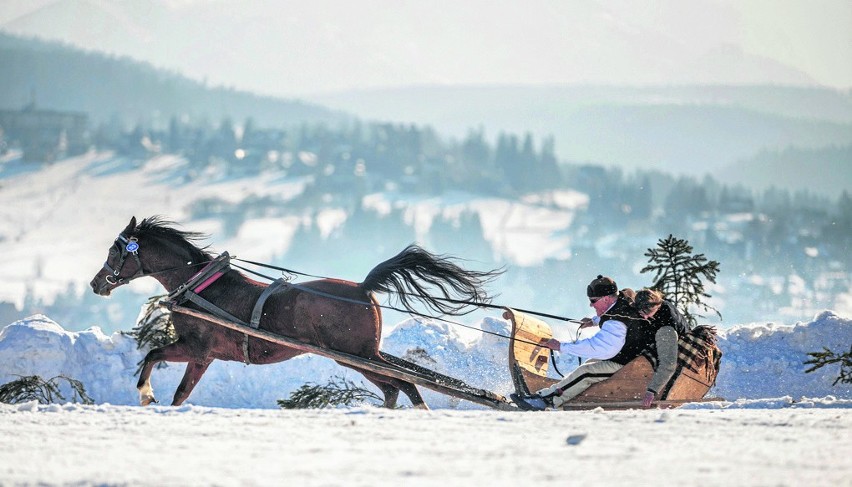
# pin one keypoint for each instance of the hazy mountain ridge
(688, 129)
(61, 77)
(826, 168)
(809, 102)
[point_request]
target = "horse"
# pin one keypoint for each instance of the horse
(330, 313)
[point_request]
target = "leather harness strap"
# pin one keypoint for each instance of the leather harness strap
(257, 313)
(189, 291)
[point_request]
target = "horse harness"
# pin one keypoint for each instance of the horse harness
(191, 289)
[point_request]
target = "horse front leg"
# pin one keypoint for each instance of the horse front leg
(176, 352)
(193, 373)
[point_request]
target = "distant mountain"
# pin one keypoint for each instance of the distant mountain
(107, 88)
(829, 169)
(693, 130)
(275, 47)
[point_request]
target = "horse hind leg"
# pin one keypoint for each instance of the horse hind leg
(411, 391)
(391, 387)
(389, 392)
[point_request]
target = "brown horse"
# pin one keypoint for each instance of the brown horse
(330, 313)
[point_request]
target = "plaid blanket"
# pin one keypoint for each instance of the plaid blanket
(695, 350)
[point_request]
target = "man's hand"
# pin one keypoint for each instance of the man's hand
(552, 344)
(586, 322)
(648, 399)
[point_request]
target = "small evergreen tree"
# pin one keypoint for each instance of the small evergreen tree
(826, 357)
(678, 275)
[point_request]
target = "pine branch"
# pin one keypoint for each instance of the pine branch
(154, 329)
(338, 392)
(828, 357)
(34, 388)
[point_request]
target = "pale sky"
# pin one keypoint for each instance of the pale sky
(308, 48)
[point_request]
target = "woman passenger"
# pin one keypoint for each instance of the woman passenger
(668, 325)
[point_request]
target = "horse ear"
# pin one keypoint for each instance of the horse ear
(131, 226)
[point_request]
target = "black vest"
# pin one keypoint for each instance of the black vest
(640, 333)
(668, 315)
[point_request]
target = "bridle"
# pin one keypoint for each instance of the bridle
(125, 247)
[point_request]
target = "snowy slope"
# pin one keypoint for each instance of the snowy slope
(57, 220)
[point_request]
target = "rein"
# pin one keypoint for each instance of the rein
(129, 247)
(290, 273)
(365, 303)
(447, 300)
(354, 301)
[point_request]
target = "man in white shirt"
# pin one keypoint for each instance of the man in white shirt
(621, 338)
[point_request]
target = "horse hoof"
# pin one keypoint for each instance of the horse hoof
(148, 400)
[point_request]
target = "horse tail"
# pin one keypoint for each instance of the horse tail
(409, 275)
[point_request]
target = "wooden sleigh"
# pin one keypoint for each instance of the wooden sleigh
(529, 365)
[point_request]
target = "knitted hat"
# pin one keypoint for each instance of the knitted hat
(600, 287)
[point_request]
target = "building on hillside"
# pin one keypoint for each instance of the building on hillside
(45, 135)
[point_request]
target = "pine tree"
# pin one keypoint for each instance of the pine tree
(678, 275)
(550, 176)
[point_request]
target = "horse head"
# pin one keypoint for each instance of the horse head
(151, 248)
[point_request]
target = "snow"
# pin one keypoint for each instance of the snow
(194, 445)
(776, 426)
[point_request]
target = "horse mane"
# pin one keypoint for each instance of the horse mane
(158, 227)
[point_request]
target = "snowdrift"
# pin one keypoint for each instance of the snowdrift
(760, 361)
